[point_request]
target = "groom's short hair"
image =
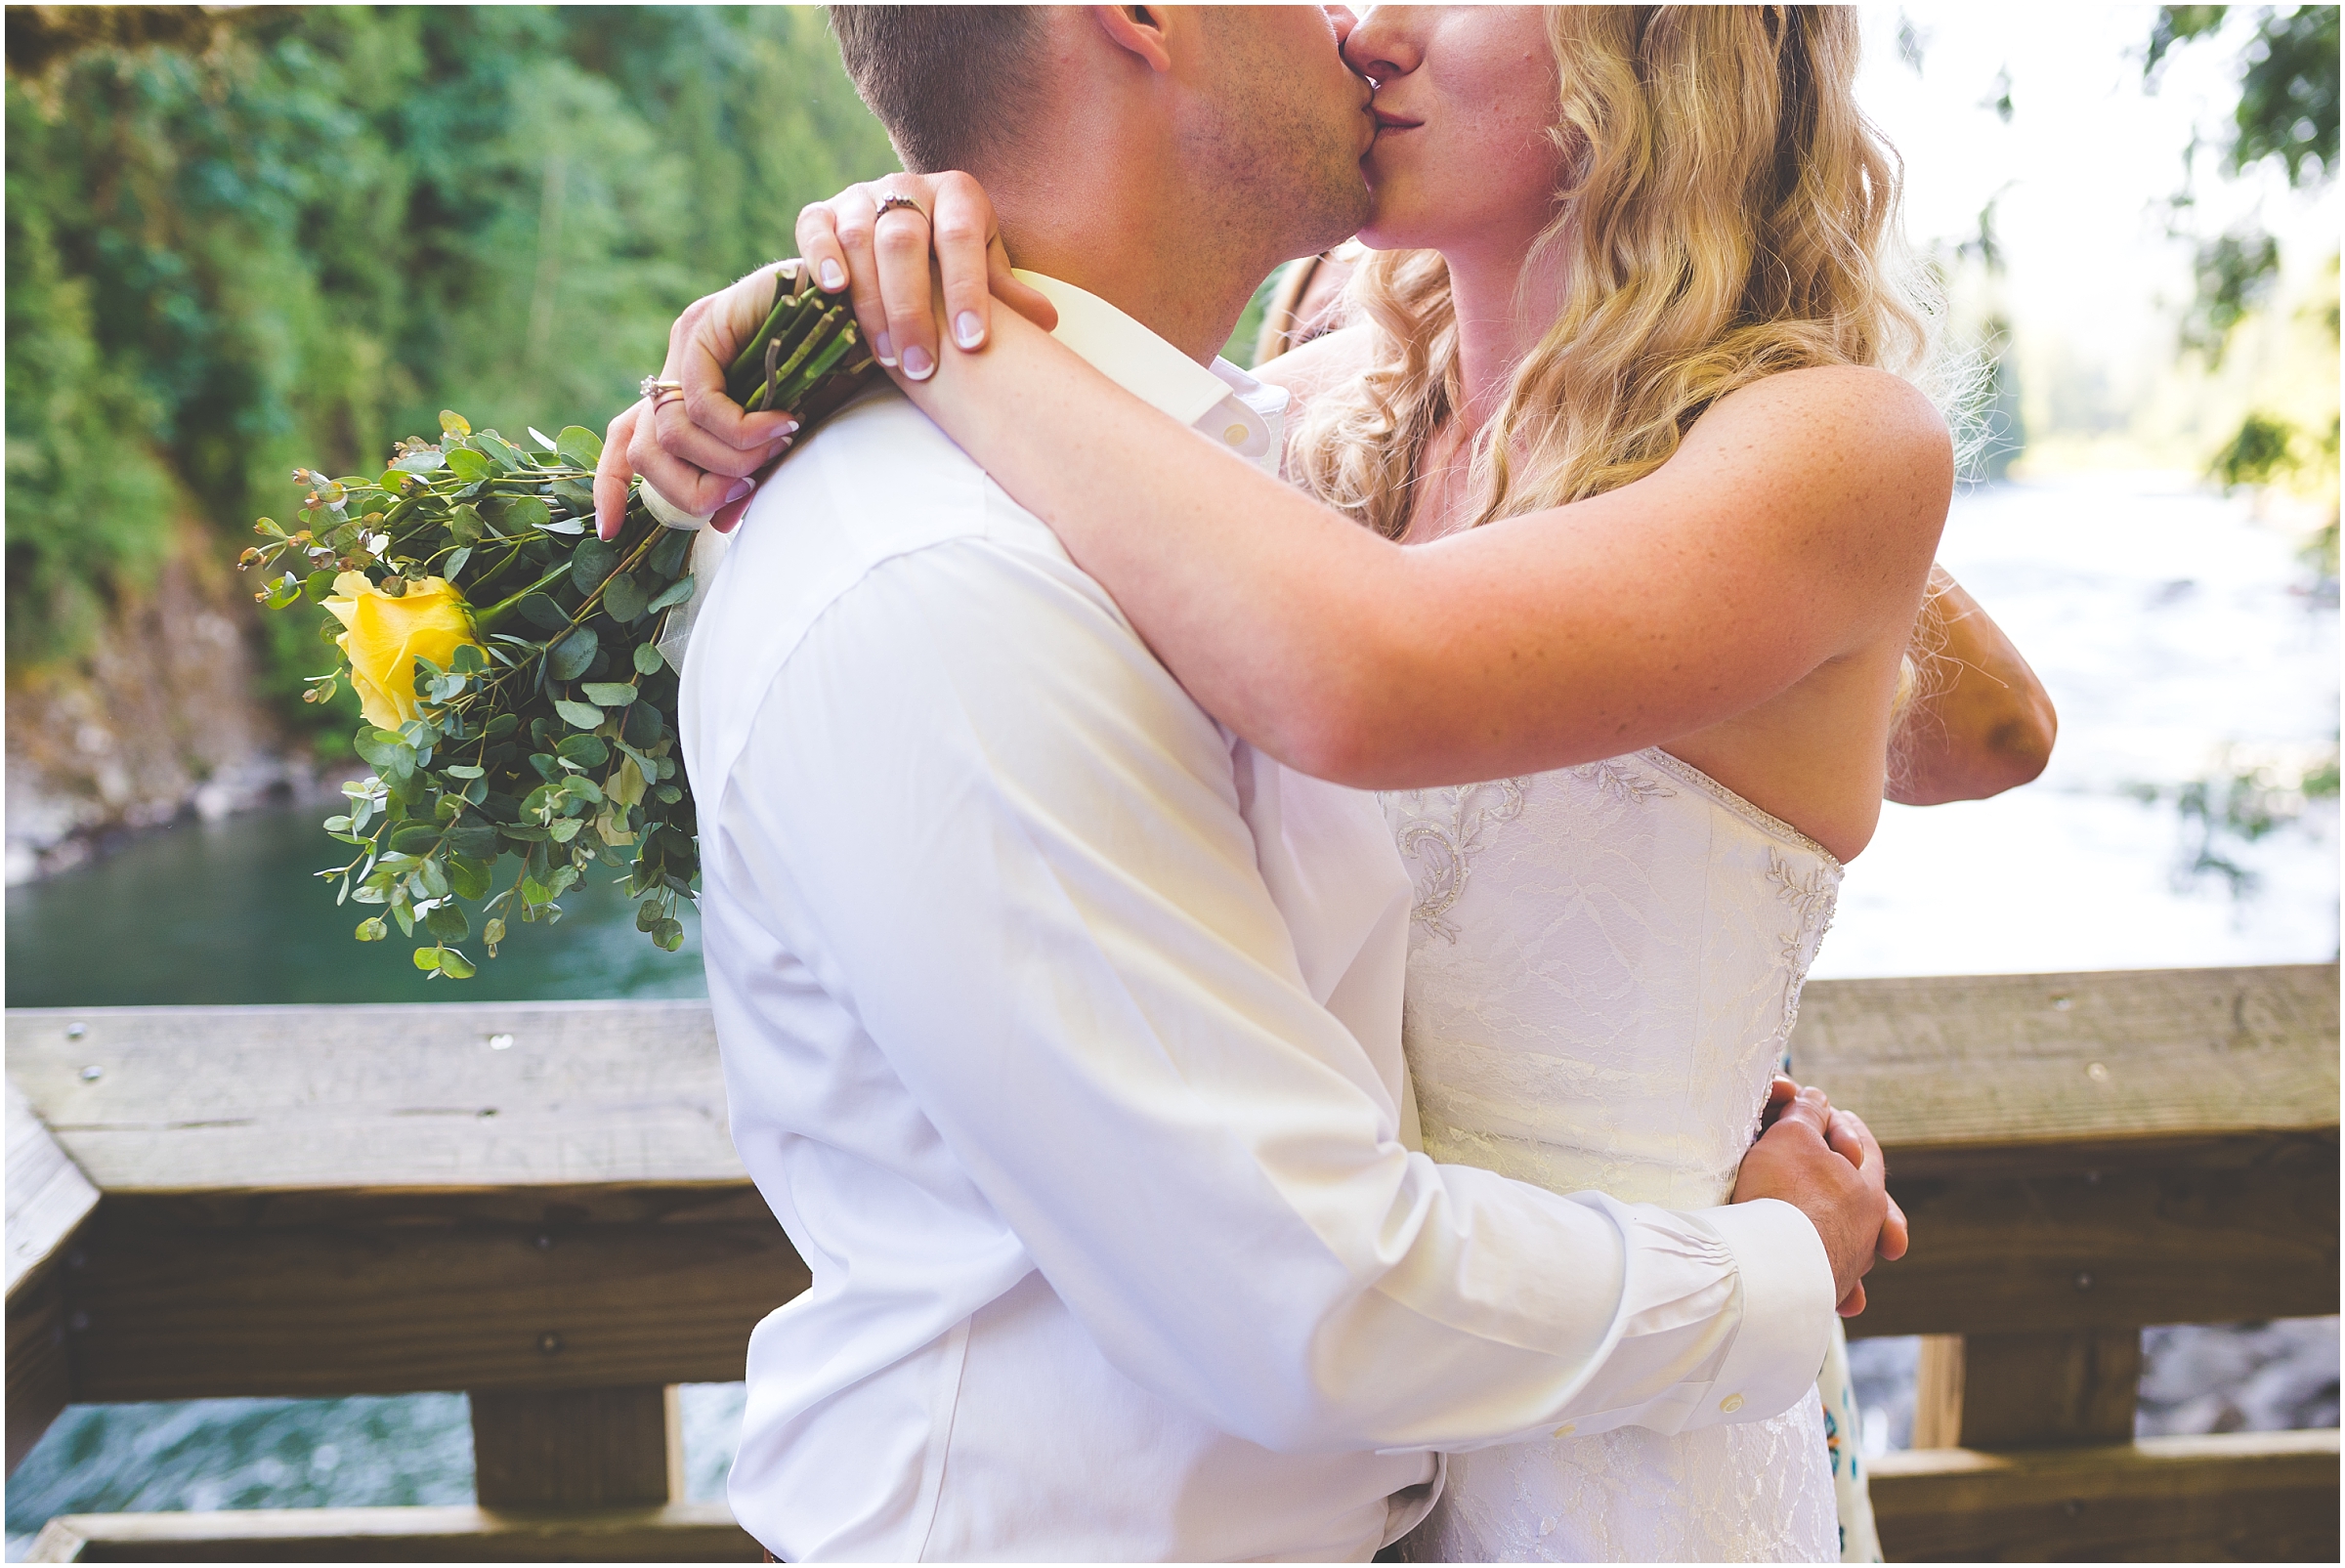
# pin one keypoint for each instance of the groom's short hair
(946, 80)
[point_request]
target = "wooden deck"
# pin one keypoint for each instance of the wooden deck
(539, 1205)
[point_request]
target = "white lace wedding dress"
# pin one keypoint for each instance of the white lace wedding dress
(1604, 967)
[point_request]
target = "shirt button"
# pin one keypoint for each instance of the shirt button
(1235, 435)
(1567, 1429)
(1730, 1404)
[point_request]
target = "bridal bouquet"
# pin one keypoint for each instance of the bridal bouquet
(519, 706)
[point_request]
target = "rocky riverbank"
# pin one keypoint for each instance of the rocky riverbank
(158, 720)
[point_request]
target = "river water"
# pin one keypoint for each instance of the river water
(2179, 636)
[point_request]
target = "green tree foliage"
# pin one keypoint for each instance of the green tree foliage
(298, 235)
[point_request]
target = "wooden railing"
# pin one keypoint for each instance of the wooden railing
(539, 1205)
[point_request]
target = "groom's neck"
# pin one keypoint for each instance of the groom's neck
(1149, 258)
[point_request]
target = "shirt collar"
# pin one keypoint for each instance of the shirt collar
(1160, 375)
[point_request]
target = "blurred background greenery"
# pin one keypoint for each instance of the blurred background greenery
(242, 240)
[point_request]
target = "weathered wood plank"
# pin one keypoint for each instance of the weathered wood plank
(271, 1098)
(48, 1196)
(2238, 1497)
(168, 1313)
(678, 1532)
(48, 1200)
(2044, 1391)
(312, 1098)
(2210, 1233)
(1973, 1063)
(40, 1378)
(579, 1448)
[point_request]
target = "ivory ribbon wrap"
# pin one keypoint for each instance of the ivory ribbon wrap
(708, 551)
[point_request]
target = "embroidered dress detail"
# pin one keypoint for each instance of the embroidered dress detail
(1605, 965)
(1441, 831)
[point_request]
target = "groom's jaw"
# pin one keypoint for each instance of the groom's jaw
(1163, 158)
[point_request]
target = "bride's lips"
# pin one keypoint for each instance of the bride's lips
(1386, 121)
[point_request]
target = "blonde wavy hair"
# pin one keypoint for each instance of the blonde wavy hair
(1727, 213)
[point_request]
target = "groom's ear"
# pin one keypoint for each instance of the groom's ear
(1137, 30)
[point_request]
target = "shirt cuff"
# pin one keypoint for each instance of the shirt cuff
(1787, 1309)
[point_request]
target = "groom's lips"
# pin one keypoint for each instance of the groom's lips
(1386, 121)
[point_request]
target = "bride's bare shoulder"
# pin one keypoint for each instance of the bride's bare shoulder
(1322, 363)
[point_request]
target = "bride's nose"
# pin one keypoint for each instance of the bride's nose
(1383, 45)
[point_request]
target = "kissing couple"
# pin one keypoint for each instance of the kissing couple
(1253, 921)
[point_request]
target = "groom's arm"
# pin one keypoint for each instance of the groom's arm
(1002, 834)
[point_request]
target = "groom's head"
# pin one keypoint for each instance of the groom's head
(1242, 122)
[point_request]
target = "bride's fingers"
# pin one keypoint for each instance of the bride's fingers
(901, 236)
(613, 474)
(1029, 302)
(853, 212)
(1853, 1302)
(817, 233)
(962, 221)
(722, 325)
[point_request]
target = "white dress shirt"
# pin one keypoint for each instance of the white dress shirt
(1062, 1031)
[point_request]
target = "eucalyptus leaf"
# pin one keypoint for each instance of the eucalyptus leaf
(641, 725)
(566, 658)
(667, 558)
(469, 465)
(521, 512)
(591, 563)
(455, 966)
(646, 658)
(675, 593)
(623, 597)
(507, 455)
(582, 448)
(586, 751)
(579, 713)
(608, 694)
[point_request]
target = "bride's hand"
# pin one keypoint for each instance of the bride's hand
(882, 259)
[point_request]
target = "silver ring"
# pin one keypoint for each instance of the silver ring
(890, 204)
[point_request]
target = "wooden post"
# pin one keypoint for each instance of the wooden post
(2026, 1390)
(579, 1448)
(48, 1200)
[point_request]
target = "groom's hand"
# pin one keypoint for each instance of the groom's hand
(1826, 1164)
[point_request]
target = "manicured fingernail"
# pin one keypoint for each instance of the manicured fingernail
(917, 363)
(741, 488)
(883, 348)
(967, 329)
(835, 277)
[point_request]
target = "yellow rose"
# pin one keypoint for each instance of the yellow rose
(383, 636)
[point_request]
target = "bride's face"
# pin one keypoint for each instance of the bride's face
(1464, 98)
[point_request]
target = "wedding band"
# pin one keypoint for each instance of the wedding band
(890, 203)
(659, 391)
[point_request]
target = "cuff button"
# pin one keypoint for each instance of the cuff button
(1730, 1404)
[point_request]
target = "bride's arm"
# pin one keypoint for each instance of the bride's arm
(1793, 527)
(1981, 723)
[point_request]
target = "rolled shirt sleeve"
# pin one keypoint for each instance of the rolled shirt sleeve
(1003, 835)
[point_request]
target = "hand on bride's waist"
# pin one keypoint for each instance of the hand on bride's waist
(1825, 1162)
